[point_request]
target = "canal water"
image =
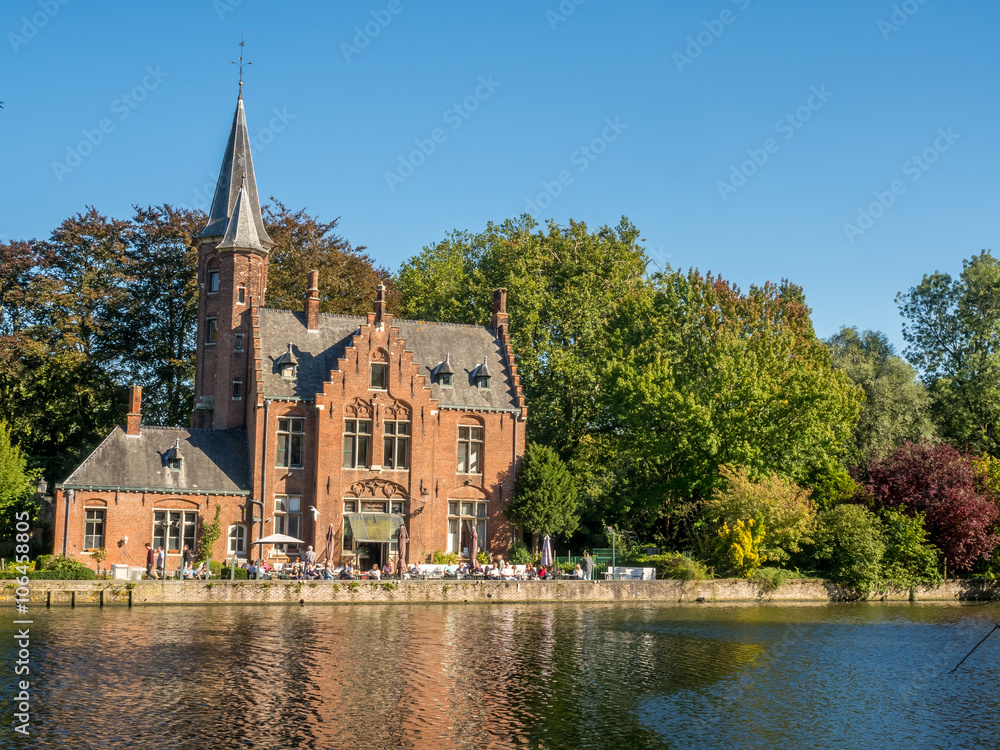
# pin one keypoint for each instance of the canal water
(510, 676)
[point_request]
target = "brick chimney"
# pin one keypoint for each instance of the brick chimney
(380, 306)
(500, 318)
(134, 417)
(312, 302)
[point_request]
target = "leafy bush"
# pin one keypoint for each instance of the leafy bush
(849, 547)
(674, 566)
(444, 558)
(56, 568)
(518, 554)
(772, 578)
(782, 507)
(909, 560)
(741, 547)
(215, 568)
(240, 574)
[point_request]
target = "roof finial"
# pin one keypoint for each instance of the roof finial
(241, 62)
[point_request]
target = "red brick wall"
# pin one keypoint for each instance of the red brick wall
(131, 514)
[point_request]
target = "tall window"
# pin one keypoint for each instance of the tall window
(357, 443)
(212, 330)
(213, 280)
(463, 515)
(238, 343)
(93, 537)
(174, 528)
(241, 294)
(396, 445)
(237, 540)
(380, 376)
(287, 515)
(470, 450)
(237, 390)
(290, 434)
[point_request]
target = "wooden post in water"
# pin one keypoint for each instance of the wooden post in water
(72, 599)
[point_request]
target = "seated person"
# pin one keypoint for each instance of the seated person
(375, 572)
(451, 570)
(542, 573)
(463, 568)
(578, 573)
(508, 573)
(188, 571)
(493, 572)
(529, 572)
(347, 572)
(414, 570)
(386, 570)
(201, 572)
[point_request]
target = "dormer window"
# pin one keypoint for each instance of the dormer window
(444, 374)
(174, 457)
(213, 280)
(481, 376)
(288, 366)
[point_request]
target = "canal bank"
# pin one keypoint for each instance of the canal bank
(107, 593)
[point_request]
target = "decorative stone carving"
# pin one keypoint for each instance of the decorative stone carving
(358, 408)
(378, 488)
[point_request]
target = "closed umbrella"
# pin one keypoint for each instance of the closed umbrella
(401, 541)
(547, 552)
(473, 547)
(328, 552)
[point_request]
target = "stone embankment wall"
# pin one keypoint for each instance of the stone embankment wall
(75, 593)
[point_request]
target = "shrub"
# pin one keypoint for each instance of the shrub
(240, 574)
(674, 566)
(215, 568)
(444, 558)
(849, 547)
(741, 546)
(782, 507)
(56, 568)
(909, 560)
(518, 554)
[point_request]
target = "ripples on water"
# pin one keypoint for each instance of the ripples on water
(501, 676)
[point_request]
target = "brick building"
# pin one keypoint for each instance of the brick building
(332, 429)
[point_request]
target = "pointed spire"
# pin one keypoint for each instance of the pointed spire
(242, 231)
(236, 177)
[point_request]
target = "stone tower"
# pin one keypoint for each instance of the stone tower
(232, 278)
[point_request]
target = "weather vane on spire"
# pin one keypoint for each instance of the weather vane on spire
(241, 62)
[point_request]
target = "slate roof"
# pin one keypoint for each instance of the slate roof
(236, 173)
(213, 462)
(317, 353)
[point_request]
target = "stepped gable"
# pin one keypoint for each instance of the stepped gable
(318, 352)
(212, 462)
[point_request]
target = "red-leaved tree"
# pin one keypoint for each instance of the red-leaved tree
(939, 481)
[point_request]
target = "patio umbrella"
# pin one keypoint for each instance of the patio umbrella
(473, 547)
(401, 540)
(279, 539)
(547, 551)
(329, 544)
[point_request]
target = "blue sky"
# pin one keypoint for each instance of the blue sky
(850, 147)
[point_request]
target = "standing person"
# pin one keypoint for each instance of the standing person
(587, 565)
(188, 555)
(150, 559)
(161, 561)
(309, 557)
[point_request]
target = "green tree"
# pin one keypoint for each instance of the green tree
(702, 375)
(562, 282)
(16, 491)
(897, 405)
(909, 560)
(209, 536)
(952, 332)
(741, 547)
(780, 508)
(849, 547)
(545, 497)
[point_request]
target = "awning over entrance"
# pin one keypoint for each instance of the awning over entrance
(374, 527)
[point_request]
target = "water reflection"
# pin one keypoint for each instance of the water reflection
(542, 676)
